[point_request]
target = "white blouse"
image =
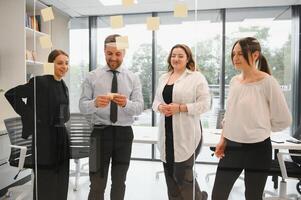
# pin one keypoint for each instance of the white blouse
(254, 110)
(190, 89)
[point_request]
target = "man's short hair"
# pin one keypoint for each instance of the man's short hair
(111, 39)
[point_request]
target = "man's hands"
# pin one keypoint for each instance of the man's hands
(103, 100)
(120, 100)
(169, 109)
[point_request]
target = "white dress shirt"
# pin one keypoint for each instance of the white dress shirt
(191, 89)
(99, 82)
(254, 110)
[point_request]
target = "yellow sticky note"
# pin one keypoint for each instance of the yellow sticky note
(48, 68)
(117, 21)
(153, 23)
(47, 14)
(181, 10)
(45, 42)
(122, 42)
(127, 2)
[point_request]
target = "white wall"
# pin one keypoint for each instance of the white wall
(12, 55)
(12, 47)
(60, 34)
(12, 73)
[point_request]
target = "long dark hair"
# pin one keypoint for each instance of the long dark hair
(250, 45)
(55, 53)
(190, 64)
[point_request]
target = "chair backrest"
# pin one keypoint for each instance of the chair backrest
(80, 131)
(220, 117)
(14, 129)
(297, 135)
(219, 120)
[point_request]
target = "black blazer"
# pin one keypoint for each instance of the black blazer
(47, 140)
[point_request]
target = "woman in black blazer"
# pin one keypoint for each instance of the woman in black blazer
(47, 97)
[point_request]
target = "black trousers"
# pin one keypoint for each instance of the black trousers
(52, 183)
(109, 143)
(180, 179)
(255, 159)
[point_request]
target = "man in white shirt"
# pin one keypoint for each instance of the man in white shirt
(113, 95)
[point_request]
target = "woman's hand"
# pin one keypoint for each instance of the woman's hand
(174, 108)
(220, 148)
(163, 108)
(170, 109)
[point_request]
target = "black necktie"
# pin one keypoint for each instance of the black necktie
(113, 107)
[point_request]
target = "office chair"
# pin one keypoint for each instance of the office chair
(297, 159)
(285, 169)
(21, 156)
(220, 118)
(80, 131)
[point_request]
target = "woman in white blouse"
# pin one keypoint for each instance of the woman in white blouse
(255, 107)
(181, 97)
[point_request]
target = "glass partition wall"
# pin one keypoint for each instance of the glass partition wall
(48, 103)
(204, 32)
(149, 45)
(60, 127)
(147, 58)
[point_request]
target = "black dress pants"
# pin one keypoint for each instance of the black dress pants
(52, 182)
(180, 179)
(255, 159)
(109, 144)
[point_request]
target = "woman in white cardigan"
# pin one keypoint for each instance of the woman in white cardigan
(181, 97)
(255, 107)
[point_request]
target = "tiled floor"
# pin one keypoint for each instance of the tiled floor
(143, 185)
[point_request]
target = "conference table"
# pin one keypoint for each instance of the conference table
(149, 135)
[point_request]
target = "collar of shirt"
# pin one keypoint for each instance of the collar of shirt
(120, 69)
(185, 73)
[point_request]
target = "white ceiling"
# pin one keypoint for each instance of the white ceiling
(78, 8)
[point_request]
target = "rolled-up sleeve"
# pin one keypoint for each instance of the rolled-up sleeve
(135, 105)
(86, 101)
(157, 100)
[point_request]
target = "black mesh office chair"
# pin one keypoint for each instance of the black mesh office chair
(297, 159)
(220, 118)
(21, 154)
(287, 169)
(80, 130)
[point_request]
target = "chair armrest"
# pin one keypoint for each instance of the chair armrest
(280, 157)
(23, 150)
